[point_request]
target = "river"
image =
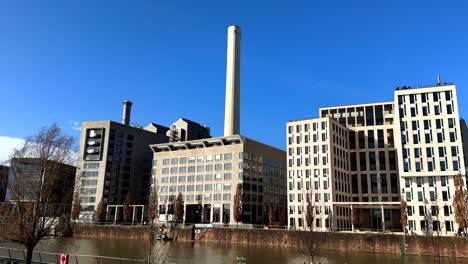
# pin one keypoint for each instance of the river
(211, 253)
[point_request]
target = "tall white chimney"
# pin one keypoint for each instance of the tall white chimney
(127, 108)
(232, 109)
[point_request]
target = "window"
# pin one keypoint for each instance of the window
(374, 183)
(228, 156)
(382, 165)
(370, 140)
(372, 161)
(419, 181)
(383, 183)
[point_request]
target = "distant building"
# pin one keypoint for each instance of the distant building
(3, 182)
(410, 148)
(184, 130)
(207, 171)
(115, 161)
(26, 175)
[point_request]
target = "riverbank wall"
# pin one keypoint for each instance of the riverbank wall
(341, 241)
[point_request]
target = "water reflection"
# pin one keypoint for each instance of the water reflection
(211, 253)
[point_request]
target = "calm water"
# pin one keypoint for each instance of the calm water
(210, 253)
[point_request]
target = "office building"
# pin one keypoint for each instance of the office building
(115, 160)
(27, 175)
(409, 147)
(206, 172)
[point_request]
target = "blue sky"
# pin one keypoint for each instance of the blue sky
(74, 61)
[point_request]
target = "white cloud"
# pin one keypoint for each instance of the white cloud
(75, 125)
(7, 145)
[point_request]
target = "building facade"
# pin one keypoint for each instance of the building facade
(318, 176)
(3, 182)
(115, 161)
(206, 172)
(410, 148)
(32, 179)
(430, 151)
(373, 166)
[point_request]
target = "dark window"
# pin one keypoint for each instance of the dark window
(364, 185)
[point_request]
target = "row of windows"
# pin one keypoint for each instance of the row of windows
(198, 178)
(89, 174)
(433, 211)
(315, 138)
(444, 160)
(425, 103)
(88, 191)
(372, 139)
(315, 127)
(317, 197)
(300, 185)
(198, 188)
(196, 197)
(362, 115)
(88, 199)
(317, 210)
(428, 131)
(426, 225)
(307, 173)
(376, 161)
(88, 182)
(200, 168)
(92, 165)
(184, 160)
(386, 184)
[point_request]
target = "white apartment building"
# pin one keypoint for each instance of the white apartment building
(318, 163)
(410, 148)
(430, 152)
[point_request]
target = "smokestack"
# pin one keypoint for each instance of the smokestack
(127, 108)
(232, 109)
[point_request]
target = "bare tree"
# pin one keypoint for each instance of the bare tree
(101, 211)
(237, 213)
(76, 209)
(158, 252)
(179, 209)
(41, 191)
(271, 216)
(127, 209)
(153, 205)
(460, 204)
(404, 214)
(311, 241)
(354, 218)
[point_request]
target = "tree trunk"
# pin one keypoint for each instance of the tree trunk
(29, 254)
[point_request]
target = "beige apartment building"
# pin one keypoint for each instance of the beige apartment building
(408, 148)
(206, 172)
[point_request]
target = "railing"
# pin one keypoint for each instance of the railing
(53, 258)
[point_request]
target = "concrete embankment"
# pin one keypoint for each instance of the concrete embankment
(363, 242)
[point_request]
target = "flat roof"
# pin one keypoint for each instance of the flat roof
(355, 105)
(205, 143)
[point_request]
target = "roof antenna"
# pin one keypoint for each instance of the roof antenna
(438, 79)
